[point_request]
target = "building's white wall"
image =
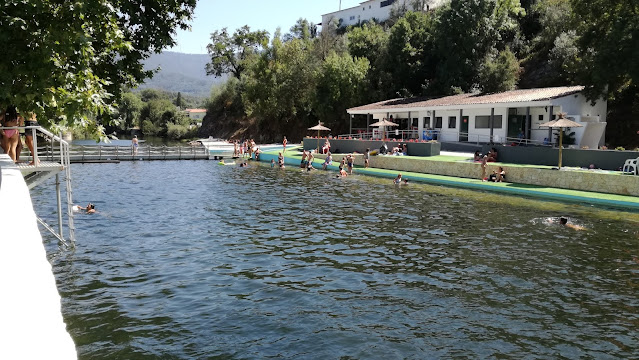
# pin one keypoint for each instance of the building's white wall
(368, 10)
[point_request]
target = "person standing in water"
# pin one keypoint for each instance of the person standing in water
(135, 144)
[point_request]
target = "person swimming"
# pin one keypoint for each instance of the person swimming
(90, 208)
(564, 222)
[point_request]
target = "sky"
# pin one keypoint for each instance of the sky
(211, 15)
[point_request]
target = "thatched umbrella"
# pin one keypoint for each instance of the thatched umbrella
(561, 123)
(384, 123)
(319, 127)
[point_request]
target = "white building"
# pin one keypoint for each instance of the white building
(196, 114)
(367, 10)
(467, 117)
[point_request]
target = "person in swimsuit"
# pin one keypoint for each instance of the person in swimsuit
(327, 161)
(303, 162)
(11, 136)
(398, 179)
(367, 156)
(280, 161)
(135, 144)
(284, 142)
(349, 163)
(28, 134)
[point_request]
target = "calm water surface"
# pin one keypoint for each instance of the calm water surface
(191, 260)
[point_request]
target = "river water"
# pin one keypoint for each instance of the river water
(192, 260)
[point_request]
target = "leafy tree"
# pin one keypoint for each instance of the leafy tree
(129, 108)
(499, 73)
(231, 54)
(411, 57)
(69, 59)
(157, 114)
(302, 30)
(608, 33)
(178, 100)
(340, 85)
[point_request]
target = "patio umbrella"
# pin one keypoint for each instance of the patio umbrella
(384, 123)
(319, 127)
(561, 123)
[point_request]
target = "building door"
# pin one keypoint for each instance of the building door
(516, 127)
(463, 129)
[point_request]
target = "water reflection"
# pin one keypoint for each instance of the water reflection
(194, 260)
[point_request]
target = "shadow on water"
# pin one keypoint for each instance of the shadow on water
(193, 260)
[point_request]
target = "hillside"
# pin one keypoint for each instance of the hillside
(179, 72)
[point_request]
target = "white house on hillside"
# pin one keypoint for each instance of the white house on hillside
(367, 10)
(504, 117)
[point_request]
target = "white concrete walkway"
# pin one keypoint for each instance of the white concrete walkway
(31, 324)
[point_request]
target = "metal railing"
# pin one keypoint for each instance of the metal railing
(52, 152)
(80, 153)
(441, 135)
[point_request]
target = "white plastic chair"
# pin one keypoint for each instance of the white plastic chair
(631, 166)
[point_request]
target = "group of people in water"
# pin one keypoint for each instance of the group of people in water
(11, 139)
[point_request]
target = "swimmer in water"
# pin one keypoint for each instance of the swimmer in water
(90, 209)
(564, 222)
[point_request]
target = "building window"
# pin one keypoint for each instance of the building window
(386, 3)
(438, 122)
(427, 122)
(352, 17)
(541, 118)
(452, 122)
(483, 122)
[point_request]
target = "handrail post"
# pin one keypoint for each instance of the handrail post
(34, 140)
(100, 152)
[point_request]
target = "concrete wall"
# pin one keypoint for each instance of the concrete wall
(534, 155)
(32, 323)
(352, 146)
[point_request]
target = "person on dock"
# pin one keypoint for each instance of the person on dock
(367, 156)
(284, 142)
(327, 161)
(28, 135)
(11, 137)
(309, 158)
(236, 152)
(349, 163)
(484, 161)
(398, 179)
(135, 145)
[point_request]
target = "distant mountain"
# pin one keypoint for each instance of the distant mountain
(180, 72)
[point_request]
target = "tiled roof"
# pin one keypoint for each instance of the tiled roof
(524, 95)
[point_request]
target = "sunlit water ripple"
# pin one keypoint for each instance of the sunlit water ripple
(194, 260)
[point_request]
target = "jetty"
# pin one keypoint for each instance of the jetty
(108, 153)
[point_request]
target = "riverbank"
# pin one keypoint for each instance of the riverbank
(533, 181)
(32, 323)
